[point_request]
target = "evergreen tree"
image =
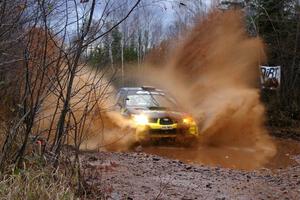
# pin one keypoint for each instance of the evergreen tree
(278, 22)
(116, 46)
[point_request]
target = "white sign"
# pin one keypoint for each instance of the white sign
(270, 77)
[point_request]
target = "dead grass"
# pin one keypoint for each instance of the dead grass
(35, 184)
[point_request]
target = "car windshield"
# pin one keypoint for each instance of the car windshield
(150, 101)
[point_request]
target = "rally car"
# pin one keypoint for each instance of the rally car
(155, 114)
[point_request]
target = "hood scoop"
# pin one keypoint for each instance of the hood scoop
(157, 108)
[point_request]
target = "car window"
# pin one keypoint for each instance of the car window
(149, 100)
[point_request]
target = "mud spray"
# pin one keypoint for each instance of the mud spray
(91, 121)
(214, 75)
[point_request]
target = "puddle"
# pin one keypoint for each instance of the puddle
(231, 157)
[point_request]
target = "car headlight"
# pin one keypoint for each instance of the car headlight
(140, 119)
(188, 121)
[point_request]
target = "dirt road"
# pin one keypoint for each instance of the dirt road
(143, 176)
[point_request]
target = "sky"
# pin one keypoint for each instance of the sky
(165, 9)
(169, 5)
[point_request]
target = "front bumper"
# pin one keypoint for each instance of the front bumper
(155, 130)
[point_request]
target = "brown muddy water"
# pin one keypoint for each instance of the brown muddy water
(231, 157)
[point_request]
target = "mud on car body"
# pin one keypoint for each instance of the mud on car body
(155, 114)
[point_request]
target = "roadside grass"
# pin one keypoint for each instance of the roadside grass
(36, 178)
(35, 184)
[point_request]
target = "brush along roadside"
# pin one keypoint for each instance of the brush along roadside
(35, 184)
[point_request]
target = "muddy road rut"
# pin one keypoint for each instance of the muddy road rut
(140, 175)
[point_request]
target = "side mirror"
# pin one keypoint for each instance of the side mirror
(118, 106)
